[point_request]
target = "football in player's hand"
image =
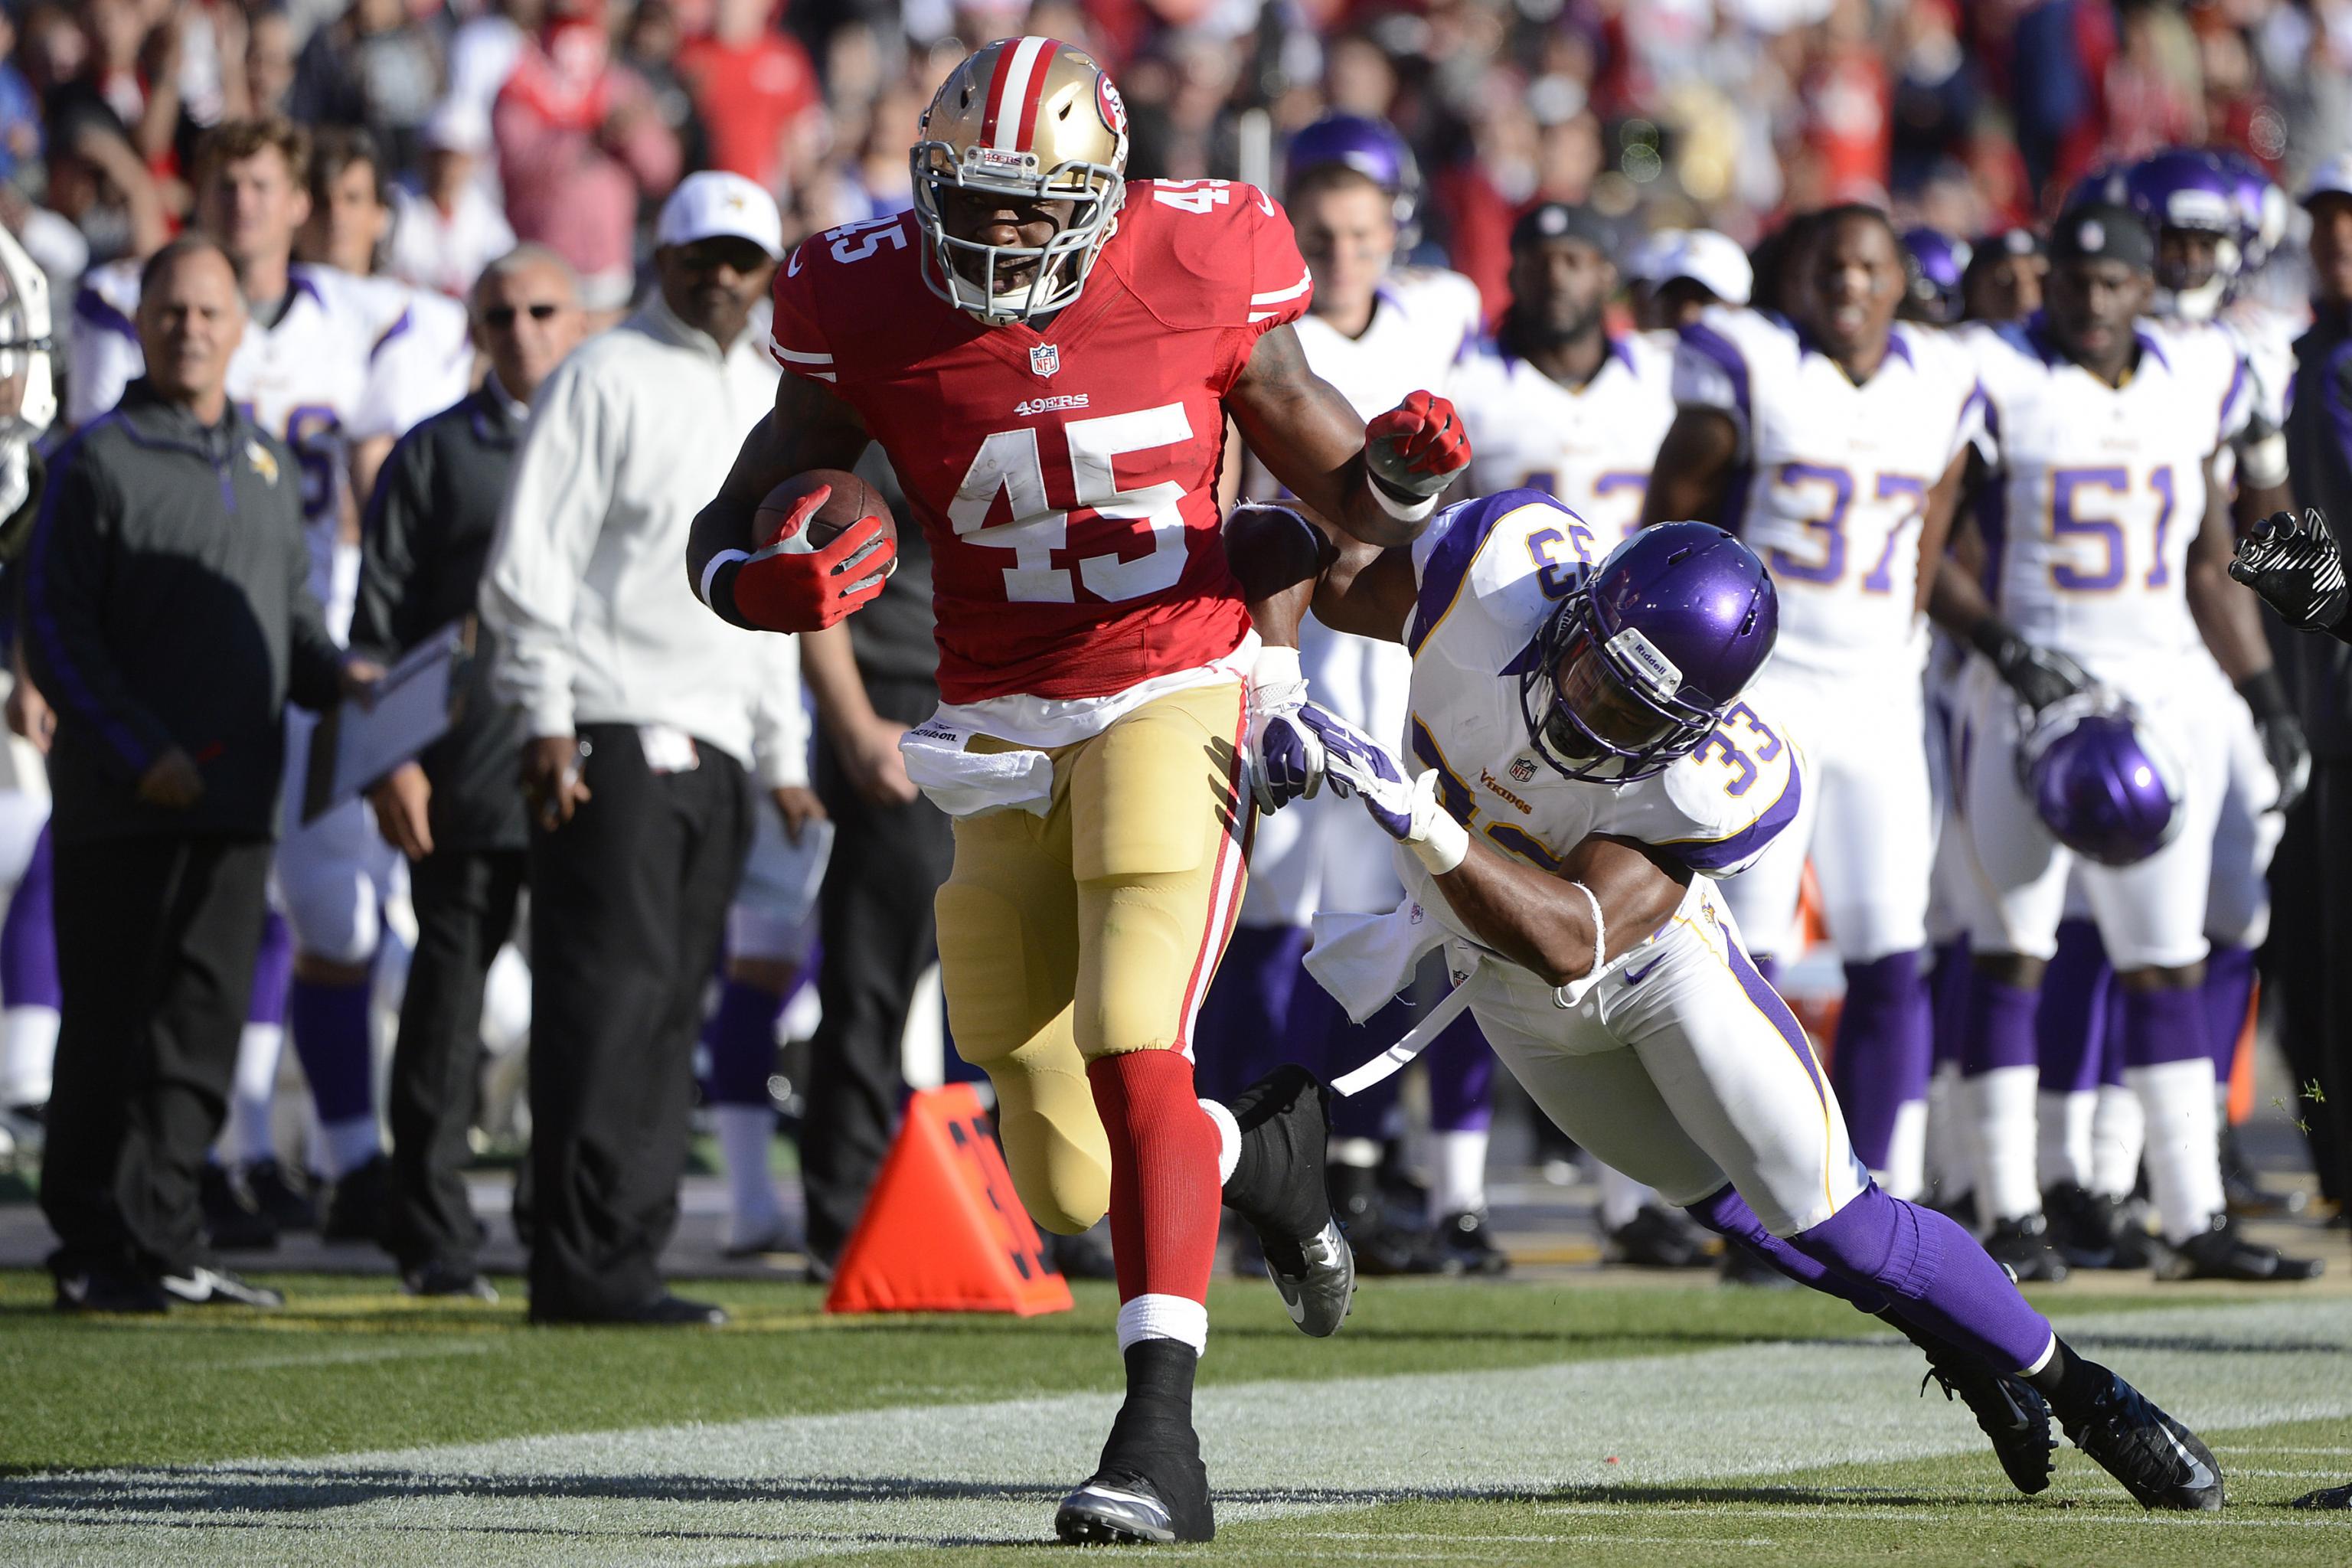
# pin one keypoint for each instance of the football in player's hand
(851, 498)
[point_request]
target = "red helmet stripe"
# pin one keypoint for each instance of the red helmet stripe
(1035, 95)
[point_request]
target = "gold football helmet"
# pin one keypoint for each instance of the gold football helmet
(1032, 118)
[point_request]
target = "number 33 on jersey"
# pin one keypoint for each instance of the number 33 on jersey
(1066, 477)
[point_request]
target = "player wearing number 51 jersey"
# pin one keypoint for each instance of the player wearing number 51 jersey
(1832, 443)
(1049, 355)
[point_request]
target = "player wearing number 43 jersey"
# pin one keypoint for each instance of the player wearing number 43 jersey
(1581, 768)
(1048, 355)
(1831, 443)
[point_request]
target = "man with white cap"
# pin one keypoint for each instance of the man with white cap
(1701, 268)
(648, 723)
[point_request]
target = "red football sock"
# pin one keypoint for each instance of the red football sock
(1164, 1193)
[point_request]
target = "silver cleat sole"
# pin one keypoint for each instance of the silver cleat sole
(1097, 1515)
(1318, 1300)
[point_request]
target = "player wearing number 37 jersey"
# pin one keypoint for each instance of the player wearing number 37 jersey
(1049, 356)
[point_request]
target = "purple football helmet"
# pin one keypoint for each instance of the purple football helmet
(1371, 147)
(2264, 210)
(2190, 188)
(1634, 668)
(1933, 264)
(2103, 784)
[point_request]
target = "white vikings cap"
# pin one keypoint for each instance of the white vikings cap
(1713, 260)
(2333, 178)
(1647, 260)
(714, 204)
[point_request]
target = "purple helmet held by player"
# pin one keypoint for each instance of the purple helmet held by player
(1933, 265)
(1371, 147)
(1635, 668)
(2190, 198)
(2103, 784)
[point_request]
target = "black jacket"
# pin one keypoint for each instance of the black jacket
(429, 529)
(2319, 468)
(167, 603)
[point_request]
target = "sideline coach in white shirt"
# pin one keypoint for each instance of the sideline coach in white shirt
(649, 720)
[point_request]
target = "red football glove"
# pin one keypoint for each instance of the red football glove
(1417, 447)
(807, 591)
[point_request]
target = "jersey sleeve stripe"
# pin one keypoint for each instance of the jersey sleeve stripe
(1717, 854)
(798, 356)
(1702, 339)
(92, 307)
(407, 320)
(1276, 296)
(1448, 570)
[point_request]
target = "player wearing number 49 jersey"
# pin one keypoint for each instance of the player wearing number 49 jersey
(1048, 355)
(1831, 443)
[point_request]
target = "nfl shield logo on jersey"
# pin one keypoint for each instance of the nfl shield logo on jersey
(1045, 359)
(1523, 770)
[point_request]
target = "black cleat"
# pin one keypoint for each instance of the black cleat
(2159, 1462)
(279, 1196)
(2326, 1497)
(101, 1290)
(2137, 1246)
(2022, 1246)
(1659, 1237)
(447, 1279)
(1278, 1188)
(1469, 1246)
(1084, 1255)
(2080, 1227)
(356, 1206)
(2220, 1252)
(2010, 1411)
(1383, 1249)
(204, 1287)
(1151, 1486)
(232, 1220)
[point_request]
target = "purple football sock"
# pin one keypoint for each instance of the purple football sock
(740, 1036)
(1727, 1215)
(1947, 998)
(1881, 1062)
(1244, 1023)
(28, 937)
(329, 1026)
(1461, 1079)
(2000, 1032)
(2070, 1026)
(1329, 1045)
(1938, 1278)
(2162, 1026)
(273, 972)
(2229, 991)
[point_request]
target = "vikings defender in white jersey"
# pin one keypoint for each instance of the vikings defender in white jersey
(2110, 550)
(1586, 767)
(1375, 331)
(1832, 444)
(1555, 400)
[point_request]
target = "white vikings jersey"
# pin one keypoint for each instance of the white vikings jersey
(2103, 488)
(350, 359)
(1588, 446)
(1489, 572)
(1424, 318)
(1832, 481)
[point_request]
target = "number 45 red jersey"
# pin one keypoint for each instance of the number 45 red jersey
(1066, 476)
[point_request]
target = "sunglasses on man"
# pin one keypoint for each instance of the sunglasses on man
(499, 318)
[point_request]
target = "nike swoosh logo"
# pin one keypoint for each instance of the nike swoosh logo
(2199, 1475)
(76, 1289)
(1635, 976)
(195, 1289)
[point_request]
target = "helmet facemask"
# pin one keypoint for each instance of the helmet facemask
(967, 273)
(1606, 711)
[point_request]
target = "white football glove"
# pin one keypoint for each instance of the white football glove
(1285, 759)
(1406, 808)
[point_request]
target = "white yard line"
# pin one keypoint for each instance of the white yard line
(812, 1486)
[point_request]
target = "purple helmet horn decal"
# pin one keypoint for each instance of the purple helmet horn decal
(2101, 780)
(1646, 651)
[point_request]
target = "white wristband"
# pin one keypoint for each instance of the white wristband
(1403, 511)
(1599, 931)
(1445, 844)
(711, 570)
(1275, 666)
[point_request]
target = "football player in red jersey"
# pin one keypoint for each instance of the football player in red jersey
(1049, 355)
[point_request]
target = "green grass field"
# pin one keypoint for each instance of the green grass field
(1523, 1423)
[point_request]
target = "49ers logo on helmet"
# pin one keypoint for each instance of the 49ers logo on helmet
(1110, 105)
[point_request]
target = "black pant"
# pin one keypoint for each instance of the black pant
(465, 902)
(2308, 960)
(874, 922)
(156, 937)
(628, 903)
